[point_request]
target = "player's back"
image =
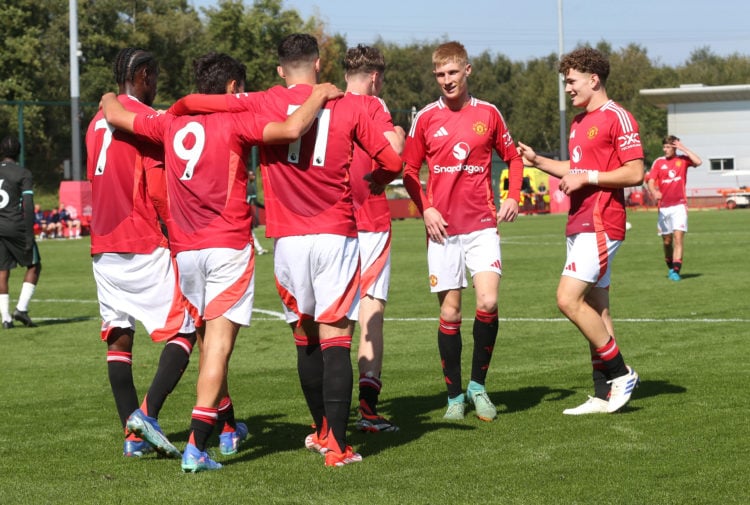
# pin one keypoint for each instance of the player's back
(306, 183)
(14, 181)
(206, 159)
(124, 218)
(370, 211)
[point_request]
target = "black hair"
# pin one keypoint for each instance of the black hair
(213, 71)
(298, 48)
(129, 60)
(10, 148)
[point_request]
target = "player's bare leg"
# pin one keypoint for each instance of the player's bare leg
(218, 343)
(572, 301)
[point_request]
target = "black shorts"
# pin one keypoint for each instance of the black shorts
(13, 253)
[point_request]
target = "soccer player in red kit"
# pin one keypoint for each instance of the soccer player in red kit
(133, 267)
(456, 136)
(605, 156)
(209, 220)
(364, 68)
(666, 182)
(309, 214)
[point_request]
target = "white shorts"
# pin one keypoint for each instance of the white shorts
(141, 287)
(375, 257)
(318, 277)
(219, 282)
(590, 258)
(672, 219)
(478, 251)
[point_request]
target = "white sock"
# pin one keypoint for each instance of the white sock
(27, 291)
(4, 307)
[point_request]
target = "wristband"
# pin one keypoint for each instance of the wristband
(594, 177)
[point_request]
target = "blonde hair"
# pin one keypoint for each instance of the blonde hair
(450, 52)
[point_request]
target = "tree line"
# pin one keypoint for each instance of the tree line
(35, 69)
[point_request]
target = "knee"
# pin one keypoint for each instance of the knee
(120, 340)
(450, 314)
(566, 304)
(488, 306)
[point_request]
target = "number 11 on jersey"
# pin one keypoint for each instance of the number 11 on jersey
(321, 139)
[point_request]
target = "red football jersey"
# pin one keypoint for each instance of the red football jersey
(670, 175)
(370, 211)
(124, 219)
(306, 184)
(206, 160)
(457, 146)
(603, 140)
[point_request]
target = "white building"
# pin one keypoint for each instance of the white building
(714, 122)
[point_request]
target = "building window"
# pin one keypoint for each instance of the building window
(722, 164)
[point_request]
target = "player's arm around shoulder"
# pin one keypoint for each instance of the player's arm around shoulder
(397, 138)
(115, 114)
(302, 119)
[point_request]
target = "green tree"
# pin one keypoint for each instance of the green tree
(409, 83)
(26, 64)
(252, 35)
(631, 71)
(36, 68)
(535, 116)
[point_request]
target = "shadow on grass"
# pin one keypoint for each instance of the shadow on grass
(61, 320)
(418, 415)
(528, 397)
(266, 436)
(689, 276)
(647, 389)
(415, 416)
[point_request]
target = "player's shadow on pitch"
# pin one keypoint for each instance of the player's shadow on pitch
(419, 415)
(63, 320)
(649, 388)
(266, 435)
(690, 276)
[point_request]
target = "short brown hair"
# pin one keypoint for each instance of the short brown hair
(587, 60)
(670, 139)
(363, 60)
(450, 52)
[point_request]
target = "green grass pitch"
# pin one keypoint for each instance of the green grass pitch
(684, 438)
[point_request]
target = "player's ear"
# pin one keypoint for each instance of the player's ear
(468, 69)
(280, 71)
(595, 81)
(144, 75)
(317, 65)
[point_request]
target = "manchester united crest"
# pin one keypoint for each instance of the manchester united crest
(480, 128)
(593, 131)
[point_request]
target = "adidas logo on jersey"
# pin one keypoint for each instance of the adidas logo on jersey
(497, 264)
(442, 132)
(570, 267)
